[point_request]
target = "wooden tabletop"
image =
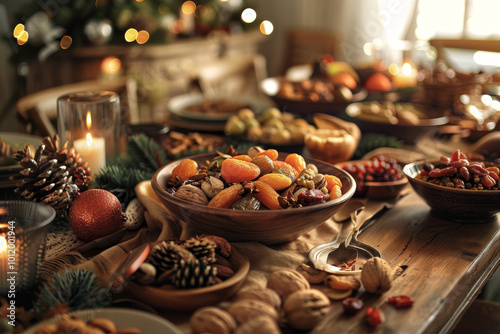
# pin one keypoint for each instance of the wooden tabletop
(441, 264)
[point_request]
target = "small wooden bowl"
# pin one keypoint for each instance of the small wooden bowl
(192, 299)
(269, 227)
(457, 205)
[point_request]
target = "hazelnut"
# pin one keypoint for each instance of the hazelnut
(211, 319)
(287, 281)
(305, 308)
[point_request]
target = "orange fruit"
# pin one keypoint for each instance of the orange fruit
(344, 79)
(377, 82)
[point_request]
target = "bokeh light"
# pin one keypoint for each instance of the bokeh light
(201, 11)
(177, 27)
(23, 38)
(368, 49)
(248, 15)
(188, 7)
(393, 69)
(18, 30)
(406, 69)
(131, 35)
(266, 27)
(111, 65)
(142, 37)
(65, 42)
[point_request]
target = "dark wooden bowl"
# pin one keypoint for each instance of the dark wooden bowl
(269, 227)
(458, 205)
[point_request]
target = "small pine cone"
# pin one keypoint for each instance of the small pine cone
(194, 275)
(167, 255)
(202, 248)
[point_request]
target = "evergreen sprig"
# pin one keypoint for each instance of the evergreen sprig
(77, 289)
(144, 153)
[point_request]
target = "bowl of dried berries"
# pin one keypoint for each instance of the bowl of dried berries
(457, 188)
(379, 177)
(260, 195)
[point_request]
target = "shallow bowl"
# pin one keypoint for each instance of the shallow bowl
(269, 227)
(458, 205)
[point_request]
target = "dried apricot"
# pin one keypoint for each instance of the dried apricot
(296, 161)
(185, 169)
(276, 181)
(267, 195)
(332, 180)
(243, 157)
(226, 197)
(336, 192)
(279, 163)
(234, 170)
(271, 153)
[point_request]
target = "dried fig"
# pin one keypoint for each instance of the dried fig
(305, 308)
(287, 281)
(212, 319)
(376, 275)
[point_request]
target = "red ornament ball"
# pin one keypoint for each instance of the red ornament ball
(95, 213)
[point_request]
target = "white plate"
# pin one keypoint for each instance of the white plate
(122, 317)
(177, 106)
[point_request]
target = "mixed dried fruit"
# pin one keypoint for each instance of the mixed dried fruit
(458, 171)
(253, 181)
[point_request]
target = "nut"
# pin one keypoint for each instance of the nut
(258, 325)
(104, 324)
(376, 275)
(333, 294)
(265, 295)
(312, 275)
(287, 281)
(211, 319)
(223, 246)
(212, 186)
(342, 282)
(223, 271)
(192, 194)
(305, 308)
(246, 309)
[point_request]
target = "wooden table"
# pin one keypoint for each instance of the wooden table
(442, 265)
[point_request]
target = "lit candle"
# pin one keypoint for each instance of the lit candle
(92, 150)
(406, 77)
(3, 257)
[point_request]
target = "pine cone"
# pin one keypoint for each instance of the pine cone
(43, 180)
(194, 274)
(77, 168)
(202, 248)
(167, 255)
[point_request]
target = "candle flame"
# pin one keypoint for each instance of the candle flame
(89, 120)
(89, 139)
(3, 244)
(406, 69)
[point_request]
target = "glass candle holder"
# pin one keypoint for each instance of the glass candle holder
(90, 122)
(23, 232)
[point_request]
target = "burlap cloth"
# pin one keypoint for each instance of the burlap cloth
(103, 256)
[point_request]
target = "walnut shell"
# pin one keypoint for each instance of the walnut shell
(246, 309)
(192, 194)
(376, 275)
(287, 281)
(303, 309)
(211, 319)
(265, 295)
(258, 325)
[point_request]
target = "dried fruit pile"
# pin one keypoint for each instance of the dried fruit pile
(458, 171)
(73, 324)
(252, 181)
(379, 169)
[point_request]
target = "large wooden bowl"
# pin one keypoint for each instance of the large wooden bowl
(269, 227)
(458, 205)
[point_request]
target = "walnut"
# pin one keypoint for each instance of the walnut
(287, 281)
(211, 319)
(192, 194)
(376, 275)
(265, 295)
(246, 309)
(305, 308)
(258, 325)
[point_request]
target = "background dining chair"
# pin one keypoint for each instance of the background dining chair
(38, 111)
(234, 76)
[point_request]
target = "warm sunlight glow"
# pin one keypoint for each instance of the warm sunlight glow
(18, 30)
(111, 65)
(66, 42)
(248, 15)
(142, 37)
(131, 35)
(89, 139)
(89, 120)
(188, 7)
(266, 27)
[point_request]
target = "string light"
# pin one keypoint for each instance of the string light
(23, 38)
(131, 35)
(18, 30)
(188, 7)
(66, 42)
(248, 15)
(111, 65)
(142, 37)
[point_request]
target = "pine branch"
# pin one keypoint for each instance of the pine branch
(144, 153)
